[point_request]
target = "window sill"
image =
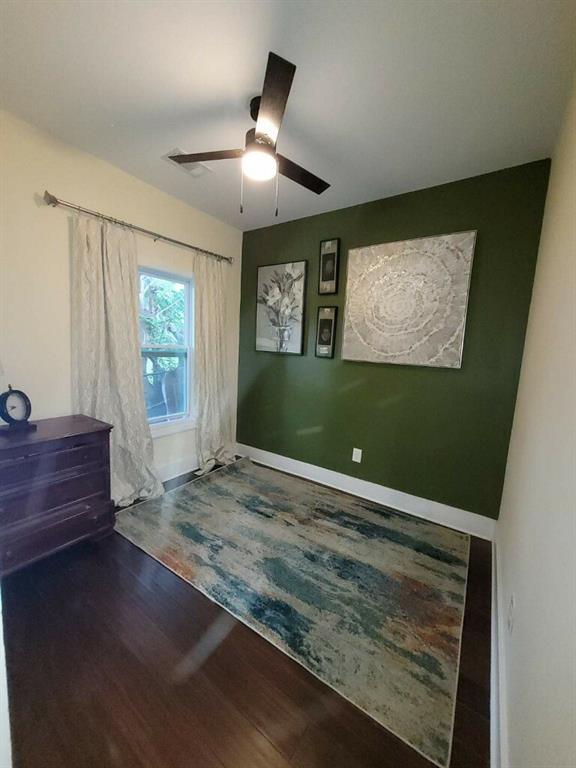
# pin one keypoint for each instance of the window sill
(172, 427)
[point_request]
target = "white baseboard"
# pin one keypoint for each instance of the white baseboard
(176, 468)
(452, 517)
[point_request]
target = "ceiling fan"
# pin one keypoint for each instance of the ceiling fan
(260, 160)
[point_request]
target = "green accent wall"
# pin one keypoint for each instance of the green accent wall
(438, 433)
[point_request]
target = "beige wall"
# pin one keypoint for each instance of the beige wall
(536, 533)
(35, 259)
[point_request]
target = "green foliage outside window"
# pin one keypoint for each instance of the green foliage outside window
(162, 321)
(162, 311)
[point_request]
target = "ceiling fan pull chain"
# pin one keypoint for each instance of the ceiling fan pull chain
(241, 190)
(277, 175)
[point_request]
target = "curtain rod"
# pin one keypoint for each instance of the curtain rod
(54, 201)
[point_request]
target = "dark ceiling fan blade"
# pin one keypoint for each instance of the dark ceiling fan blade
(275, 92)
(204, 157)
(301, 175)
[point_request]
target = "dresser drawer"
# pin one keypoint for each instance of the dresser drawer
(89, 506)
(31, 467)
(83, 520)
(10, 449)
(40, 498)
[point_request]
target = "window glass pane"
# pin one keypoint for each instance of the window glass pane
(165, 375)
(162, 310)
(165, 337)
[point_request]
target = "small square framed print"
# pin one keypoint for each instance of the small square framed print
(329, 257)
(326, 331)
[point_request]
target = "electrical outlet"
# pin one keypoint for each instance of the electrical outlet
(357, 455)
(510, 617)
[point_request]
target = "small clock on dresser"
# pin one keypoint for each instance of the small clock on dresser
(15, 410)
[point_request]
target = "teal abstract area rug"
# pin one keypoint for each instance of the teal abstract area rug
(368, 599)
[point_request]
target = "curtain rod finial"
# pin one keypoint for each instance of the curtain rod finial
(50, 199)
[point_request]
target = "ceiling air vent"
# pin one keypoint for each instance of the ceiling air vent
(191, 169)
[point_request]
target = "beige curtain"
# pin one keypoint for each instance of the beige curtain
(214, 437)
(107, 379)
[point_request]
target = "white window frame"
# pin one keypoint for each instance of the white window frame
(161, 425)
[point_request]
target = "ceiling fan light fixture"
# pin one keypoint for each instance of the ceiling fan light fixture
(259, 164)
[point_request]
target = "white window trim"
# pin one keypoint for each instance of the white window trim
(186, 422)
(164, 428)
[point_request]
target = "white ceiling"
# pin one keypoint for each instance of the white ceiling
(389, 96)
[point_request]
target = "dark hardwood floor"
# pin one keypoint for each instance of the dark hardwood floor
(113, 661)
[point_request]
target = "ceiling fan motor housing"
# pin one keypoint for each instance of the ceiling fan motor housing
(263, 145)
(254, 107)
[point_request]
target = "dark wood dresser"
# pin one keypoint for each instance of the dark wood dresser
(54, 488)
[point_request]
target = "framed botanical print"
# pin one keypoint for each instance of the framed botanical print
(326, 331)
(280, 308)
(328, 271)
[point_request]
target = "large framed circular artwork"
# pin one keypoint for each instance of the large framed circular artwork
(406, 301)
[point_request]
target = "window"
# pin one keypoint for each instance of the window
(166, 335)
